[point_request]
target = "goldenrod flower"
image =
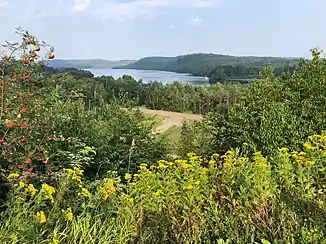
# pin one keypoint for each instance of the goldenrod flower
(143, 167)
(158, 193)
(75, 174)
(170, 163)
(41, 216)
(108, 188)
(13, 176)
(128, 176)
(308, 146)
(49, 191)
(31, 190)
(21, 184)
(130, 199)
(162, 166)
(55, 239)
(69, 214)
(211, 162)
(85, 192)
(185, 165)
(189, 187)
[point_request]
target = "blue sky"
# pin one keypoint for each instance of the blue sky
(131, 29)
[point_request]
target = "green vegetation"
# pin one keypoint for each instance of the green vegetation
(215, 66)
(87, 63)
(176, 97)
(78, 164)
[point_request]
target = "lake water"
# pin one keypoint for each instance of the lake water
(151, 75)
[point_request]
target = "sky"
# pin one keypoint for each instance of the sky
(132, 29)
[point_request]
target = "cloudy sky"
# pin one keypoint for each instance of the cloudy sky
(131, 29)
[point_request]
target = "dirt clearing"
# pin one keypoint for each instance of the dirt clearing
(171, 118)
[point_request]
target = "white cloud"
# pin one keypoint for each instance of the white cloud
(80, 5)
(172, 26)
(204, 3)
(132, 9)
(196, 21)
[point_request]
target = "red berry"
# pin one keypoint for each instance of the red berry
(32, 55)
(30, 169)
(20, 167)
(24, 127)
(2, 140)
(37, 48)
(26, 77)
(22, 140)
(11, 124)
(51, 56)
(24, 110)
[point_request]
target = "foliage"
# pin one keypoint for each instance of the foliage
(274, 112)
(176, 97)
(215, 66)
(195, 200)
(48, 120)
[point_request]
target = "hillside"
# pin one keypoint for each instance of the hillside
(87, 63)
(209, 64)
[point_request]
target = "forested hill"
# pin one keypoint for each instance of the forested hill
(214, 65)
(87, 63)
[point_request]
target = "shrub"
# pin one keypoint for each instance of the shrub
(227, 197)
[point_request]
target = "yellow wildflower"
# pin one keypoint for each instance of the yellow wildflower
(21, 184)
(143, 167)
(107, 189)
(308, 146)
(78, 171)
(211, 162)
(55, 239)
(41, 216)
(284, 150)
(170, 163)
(13, 176)
(31, 190)
(128, 176)
(69, 214)
(49, 191)
(85, 192)
(185, 165)
(215, 156)
(159, 192)
(189, 187)
(191, 154)
(130, 199)
(197, 182)
(162, 166)
(204, 169)
(75, 174)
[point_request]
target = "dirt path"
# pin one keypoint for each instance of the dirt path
(171, 118)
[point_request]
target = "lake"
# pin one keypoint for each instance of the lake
(151, 75)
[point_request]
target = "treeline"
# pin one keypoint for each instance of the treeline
(273, 113)
(177, 97)
(215, 66)
(78, 73)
